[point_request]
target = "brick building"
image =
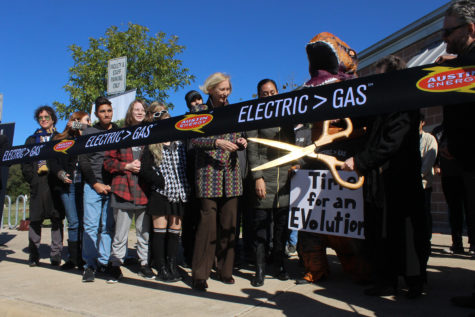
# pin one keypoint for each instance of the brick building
(419, 43)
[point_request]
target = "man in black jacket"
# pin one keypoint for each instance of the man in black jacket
(98, 216)
(459, 34)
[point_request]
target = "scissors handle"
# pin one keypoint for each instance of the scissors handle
(332, 164)
(326, 138)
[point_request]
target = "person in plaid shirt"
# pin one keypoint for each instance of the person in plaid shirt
(128, 199)
(218, 185)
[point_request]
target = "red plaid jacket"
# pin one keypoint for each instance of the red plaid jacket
(124, 183)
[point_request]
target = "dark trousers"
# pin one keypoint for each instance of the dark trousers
(469, 187)
(34, 237)
(190, 222)
(215, 236)
(262, 218)
(452, 187)
(45, 203)
(427, 209)
(245, 247)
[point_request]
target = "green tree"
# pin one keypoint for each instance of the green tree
(152, 67)
(120, 123)
(16, 185)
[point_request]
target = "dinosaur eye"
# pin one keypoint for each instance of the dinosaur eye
(352, 53)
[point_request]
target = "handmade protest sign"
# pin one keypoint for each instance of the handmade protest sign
(318, 204)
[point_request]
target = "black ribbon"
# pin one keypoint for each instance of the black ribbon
(409, 89)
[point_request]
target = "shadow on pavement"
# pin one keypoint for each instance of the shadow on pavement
(296, 304)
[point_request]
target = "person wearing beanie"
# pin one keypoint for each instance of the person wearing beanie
(190, 218)
(193, 99)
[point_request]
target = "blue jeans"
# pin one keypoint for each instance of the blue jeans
(98, 228)
(72, 201)
(293, 237)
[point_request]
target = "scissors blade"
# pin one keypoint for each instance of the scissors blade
(292, 156)
(277, 144)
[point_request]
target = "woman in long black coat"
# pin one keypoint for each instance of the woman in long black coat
(45, 202)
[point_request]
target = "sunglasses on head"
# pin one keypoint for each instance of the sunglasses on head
(160, 113)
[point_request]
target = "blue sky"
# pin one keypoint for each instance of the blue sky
(249, 40)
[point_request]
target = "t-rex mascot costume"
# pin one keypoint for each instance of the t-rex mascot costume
(330, 60)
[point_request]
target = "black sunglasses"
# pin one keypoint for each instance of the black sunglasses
(446, 32)
(158, 114)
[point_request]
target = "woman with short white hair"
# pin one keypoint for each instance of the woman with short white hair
(218, 185)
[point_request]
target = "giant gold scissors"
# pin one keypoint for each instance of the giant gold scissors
(297, 152)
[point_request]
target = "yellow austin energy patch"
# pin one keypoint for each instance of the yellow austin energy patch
(193, 122)
(63, 146)
(445, 79)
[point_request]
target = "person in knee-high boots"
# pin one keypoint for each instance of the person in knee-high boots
(163, 169)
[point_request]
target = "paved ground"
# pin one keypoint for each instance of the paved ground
(47, 291)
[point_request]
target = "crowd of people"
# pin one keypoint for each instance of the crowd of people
(199, 191)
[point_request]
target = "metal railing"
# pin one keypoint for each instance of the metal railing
(7, 198)
(24, 198)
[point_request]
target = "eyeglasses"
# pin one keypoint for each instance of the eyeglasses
(45, 118)
(160, 113)
(446, 32)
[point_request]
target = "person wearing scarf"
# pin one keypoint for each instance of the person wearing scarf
(45, 202)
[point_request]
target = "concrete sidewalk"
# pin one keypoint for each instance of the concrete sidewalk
(47, 291)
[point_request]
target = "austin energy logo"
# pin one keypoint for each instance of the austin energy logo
(445, 79)
(63, 146)
(194, 122)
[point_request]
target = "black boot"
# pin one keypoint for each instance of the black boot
(415, 286)
(159, 255)
(173, 269)
(163, 274)
(279, 269)
(55, 259)
(34, 258)
(173, 238)
(282, 274)
(382, 287)
(74, 258)
(258, 279)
